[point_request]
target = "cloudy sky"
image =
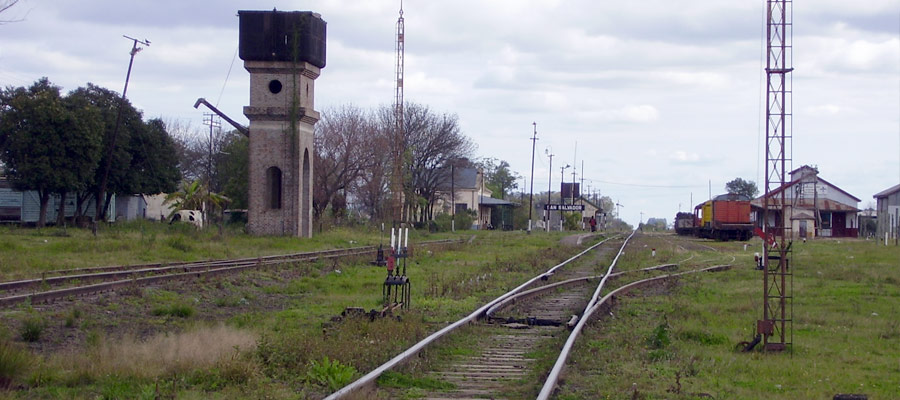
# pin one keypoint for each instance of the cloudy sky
(661, 100)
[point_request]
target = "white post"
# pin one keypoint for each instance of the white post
(392, 238)
(406, 240)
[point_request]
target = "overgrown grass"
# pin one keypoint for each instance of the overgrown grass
(202, 348)
(14, 363)
(27, 252)
(680, 343)
(293, 335)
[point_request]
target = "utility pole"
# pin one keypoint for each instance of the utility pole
(209, 119)
(549, 185)
(574, 163)
(562, 183)
(581, 195)
(100, 206)
(531, 195)
(452, 198)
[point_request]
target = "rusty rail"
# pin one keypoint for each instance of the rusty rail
(575, 281)
(190, 270)
(369, 379)
(553, 377)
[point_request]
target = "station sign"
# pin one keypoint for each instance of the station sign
(564, 207)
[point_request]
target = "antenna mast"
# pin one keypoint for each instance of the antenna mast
(396, 182)
(775, 327)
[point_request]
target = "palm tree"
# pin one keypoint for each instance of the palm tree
(194, 195)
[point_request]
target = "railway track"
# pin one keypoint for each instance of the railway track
(516, 322)
(59, 284)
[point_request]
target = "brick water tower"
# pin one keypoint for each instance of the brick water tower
(284, 53)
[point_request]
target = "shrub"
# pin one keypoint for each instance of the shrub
(660, 337)
(32, 328)
(330, 373)
(13, 363)
(174, 310)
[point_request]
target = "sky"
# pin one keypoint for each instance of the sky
(661, 101)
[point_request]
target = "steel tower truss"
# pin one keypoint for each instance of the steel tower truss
(775, 327)
(397, 151)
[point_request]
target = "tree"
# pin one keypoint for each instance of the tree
(432, 141)
(193, 195)
(740, 186)
(153, 161)
(233, 166)
(191, 148)
(371, 188)
(108, 103)
(5, 5)
(498, 177)
(341, 154)
(48, 144)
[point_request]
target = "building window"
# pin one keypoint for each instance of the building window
(826, 219)
(461, 208)
(273, 185)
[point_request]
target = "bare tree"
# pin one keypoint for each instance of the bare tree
(342, 155)
(432, 141)
(192, 148)
(371, 188)
(6, 5)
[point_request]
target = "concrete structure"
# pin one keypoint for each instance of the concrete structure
(284, 53)
(810, 199)
(888, 212)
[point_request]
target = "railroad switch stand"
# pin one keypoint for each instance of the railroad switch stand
(396, 289)
(379, 257)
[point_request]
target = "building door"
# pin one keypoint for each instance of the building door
(803, 228)
(839, 224)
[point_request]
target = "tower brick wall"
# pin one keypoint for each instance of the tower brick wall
(281, 153)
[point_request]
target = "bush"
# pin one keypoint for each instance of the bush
(330, 373)
(174, 310)
(32, 328)
(13, 363)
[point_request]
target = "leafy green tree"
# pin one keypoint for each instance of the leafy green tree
(119, 179)
(48, 144)
(740, 186)
(193, 195)
(154, 165)
(234, 167)
(498, 177)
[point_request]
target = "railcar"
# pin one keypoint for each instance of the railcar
(684, 224)
(725, 217)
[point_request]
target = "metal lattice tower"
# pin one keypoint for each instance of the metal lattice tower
(775, 327)
(396, 179)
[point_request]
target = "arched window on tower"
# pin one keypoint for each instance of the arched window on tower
(273, 186)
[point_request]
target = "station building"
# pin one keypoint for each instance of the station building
(814, 207)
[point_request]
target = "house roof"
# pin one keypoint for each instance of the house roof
(821, 204)
(887, 192)
(490, 201)
(792, 182)
(463, 178)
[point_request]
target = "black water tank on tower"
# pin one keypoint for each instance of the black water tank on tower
(282, 36)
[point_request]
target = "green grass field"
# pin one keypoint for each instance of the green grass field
(680, 344)
(273, 333)
(268, 333)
